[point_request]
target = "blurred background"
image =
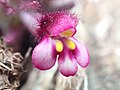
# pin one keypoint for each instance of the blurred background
(100, 19)
(98, 29)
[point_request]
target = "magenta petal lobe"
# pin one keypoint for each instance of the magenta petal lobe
(44, 54)
(67, 64)
(81, 53)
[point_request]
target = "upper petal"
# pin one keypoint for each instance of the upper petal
(81, 53)
(44, 54)
(58, 22)
(67, 64)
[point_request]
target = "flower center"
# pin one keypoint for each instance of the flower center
(59, 46)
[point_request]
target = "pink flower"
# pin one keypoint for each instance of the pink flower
(16, 6)
(6, 7)
(29, 5)
(57, 31)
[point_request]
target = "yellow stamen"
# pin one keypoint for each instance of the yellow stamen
(70, 44)
(67, 33)
(59, 46)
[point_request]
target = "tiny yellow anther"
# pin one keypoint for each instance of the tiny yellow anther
(67, 33)
(70, 44)
(59, 46)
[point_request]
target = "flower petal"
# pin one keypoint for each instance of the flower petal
(57, 22)
(81, 53)
(44, 54)
(67, 64)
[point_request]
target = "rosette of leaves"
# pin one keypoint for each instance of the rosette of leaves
(11, 68)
